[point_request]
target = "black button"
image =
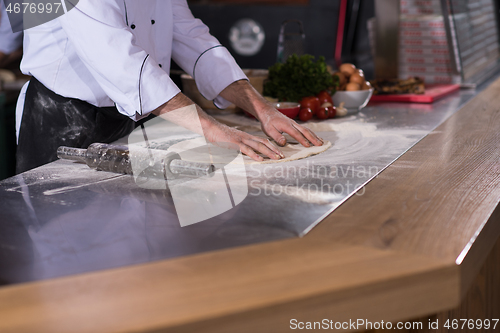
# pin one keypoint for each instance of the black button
(153, 21)
(160, 65)
(132, 26)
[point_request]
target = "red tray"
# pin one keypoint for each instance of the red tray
(432, 94)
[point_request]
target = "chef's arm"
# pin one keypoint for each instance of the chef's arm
(106, 45)
(184, 112)
(134, 80)
(202, 56)
(220, 79)
(274, 123)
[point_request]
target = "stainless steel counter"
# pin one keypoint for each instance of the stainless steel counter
(63, 218)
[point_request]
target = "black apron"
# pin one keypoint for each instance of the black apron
(50, 120)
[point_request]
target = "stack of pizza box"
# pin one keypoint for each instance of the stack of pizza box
(423, 49)
(423, 45)
(420, 7)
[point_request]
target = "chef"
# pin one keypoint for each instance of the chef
(105, 64)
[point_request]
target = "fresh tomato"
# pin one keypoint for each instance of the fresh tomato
(333, 112)
(305, 114)
(324, 97)
(311, 102)
(323, 113)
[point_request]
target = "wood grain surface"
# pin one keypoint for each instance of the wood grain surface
(435, 198)
(480, 303)
(409, 247)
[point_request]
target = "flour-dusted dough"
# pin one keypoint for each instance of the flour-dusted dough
(292, 152)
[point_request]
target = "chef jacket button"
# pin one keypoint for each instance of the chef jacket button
(153, 21)
(160, 65)
(132, 26)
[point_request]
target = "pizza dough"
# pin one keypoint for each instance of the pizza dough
(293, 152)
(197, 150)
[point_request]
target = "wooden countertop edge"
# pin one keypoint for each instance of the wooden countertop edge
(474, 257)
(365, 282)
(375, 302)
(319, 276)
(407, 195)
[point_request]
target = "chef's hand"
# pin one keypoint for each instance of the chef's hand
(273, 122)
(220, 134)
(183, 112)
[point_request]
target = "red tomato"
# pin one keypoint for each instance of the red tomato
(311, 102)
(323, 113)
(305, 114)
(324, 97)
(333, 112)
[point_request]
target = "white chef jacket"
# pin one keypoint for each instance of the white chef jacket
(117, 52)
(9, 41)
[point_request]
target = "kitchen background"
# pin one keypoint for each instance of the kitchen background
(319, 19)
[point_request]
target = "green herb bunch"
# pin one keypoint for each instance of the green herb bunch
(299, 77)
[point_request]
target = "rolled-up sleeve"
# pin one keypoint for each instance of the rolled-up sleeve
(9, 41)
(104, 43)
(201, 55)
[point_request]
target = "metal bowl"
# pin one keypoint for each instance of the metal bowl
(353, 100)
